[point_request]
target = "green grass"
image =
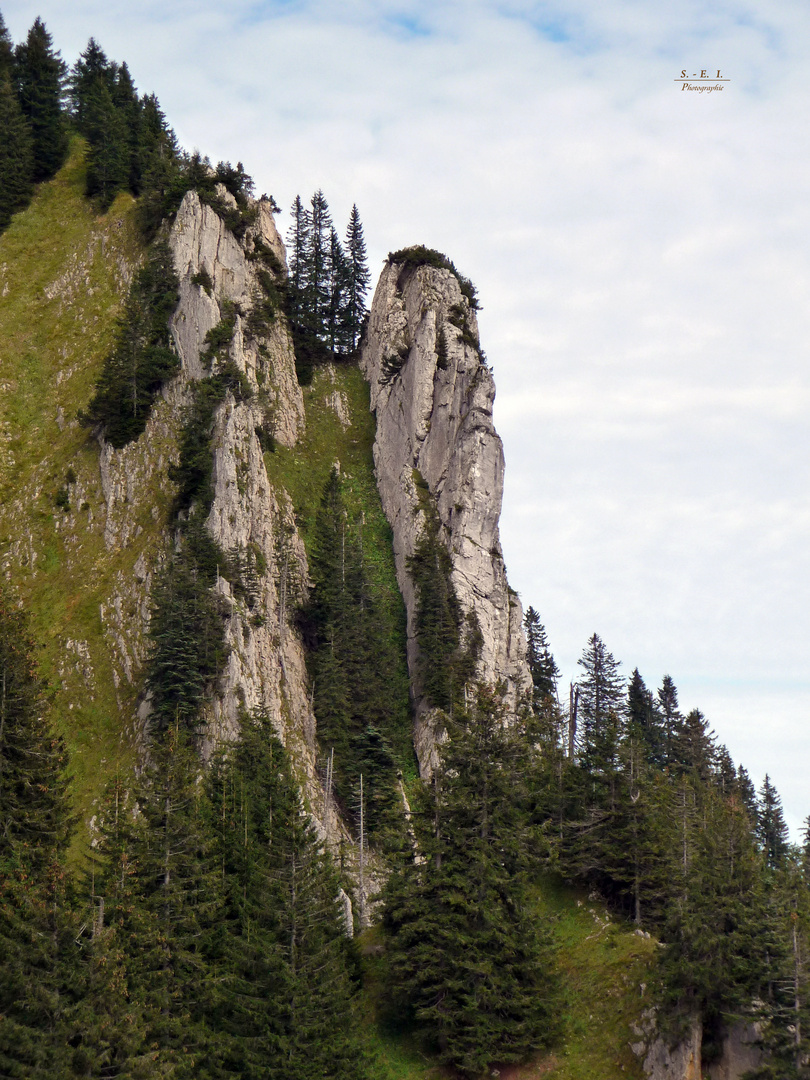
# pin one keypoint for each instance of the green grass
(303, 472)
(604, 964)
(64, 273)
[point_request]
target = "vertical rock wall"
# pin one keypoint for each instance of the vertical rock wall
(432, 394)
(266, 665)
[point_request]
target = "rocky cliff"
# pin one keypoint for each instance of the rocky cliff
(432, 395)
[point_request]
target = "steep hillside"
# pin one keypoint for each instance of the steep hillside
(64, 276)
(84, 525)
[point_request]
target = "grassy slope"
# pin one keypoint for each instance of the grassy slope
(604, 965)
(303, 472)
(63, 274)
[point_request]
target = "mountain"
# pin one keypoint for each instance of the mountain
(215, 521)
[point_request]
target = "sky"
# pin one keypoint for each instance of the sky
(641, 254)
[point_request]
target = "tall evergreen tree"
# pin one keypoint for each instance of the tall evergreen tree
(360, 712)
(643, 725)
(772, 831)
(179, 902)
(6, 50)
(316, 296)
(716, 957)
(142, 359)
(694, 746)
(338, 280)
(91, 71)
(670, 717)
(40, 75)
(299, 239)
(16, 153)
(476, 969)
(36, 925)
(110, 153)
(544, 670)
(358, 278)
(600, 705)
(284, 1005)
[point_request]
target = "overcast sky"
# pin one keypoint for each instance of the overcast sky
(641, 253)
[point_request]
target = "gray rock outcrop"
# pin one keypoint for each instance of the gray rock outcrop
(432, 393)
(249, 518)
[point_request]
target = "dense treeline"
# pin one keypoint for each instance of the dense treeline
(205, 938)
(360, 692)
(327, 286)
(636, 799)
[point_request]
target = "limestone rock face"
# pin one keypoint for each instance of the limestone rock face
(432, 394)
(251, 521)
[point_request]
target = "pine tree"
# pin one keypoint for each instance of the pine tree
(16, 153)
(643, 725)
(359, 709)
(694, 748)
(36, 924)
(772, 831)
(475, 968)
(316, 296)
(338, 282)
(188, 651)
(542, 666)
(142, 359)
(716, 956)
(358, 279)
(299, 238)
(40, 74)
(670, 717)
(6, 51)
(178, 905)
(448, 641)
(285, 1005)
(600, 706)
(110, 152)
(91, 70)
(107, 1027)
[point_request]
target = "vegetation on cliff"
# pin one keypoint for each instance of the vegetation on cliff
(204, 932)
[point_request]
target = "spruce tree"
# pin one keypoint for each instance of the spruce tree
(142, 359)
(178, 904)
(642, 722)
(40, 74)
(6, 50)
(316, 296)
(772, 831)
(284, 1004)
(670, 717)
(36, 922)
(299, 238)
(16, 153)
(694, 748)
(107, 1027)
(544, 670)
(188, 651)
(466, 955)
(600, 706)
(338, 282)
(360, 712)
(358, 278)
(716, 956)
(110, 152)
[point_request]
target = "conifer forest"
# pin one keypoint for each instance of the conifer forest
(232, 898)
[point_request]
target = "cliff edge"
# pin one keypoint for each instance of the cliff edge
(432, 395)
